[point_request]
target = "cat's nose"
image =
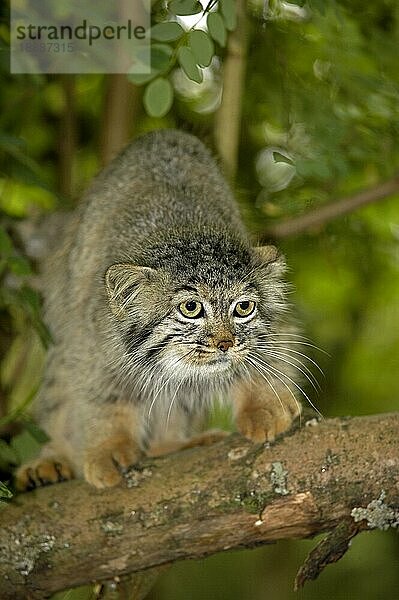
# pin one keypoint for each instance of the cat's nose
(224, 345)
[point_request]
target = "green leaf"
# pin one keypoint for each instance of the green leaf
(188, 63)
(25, 446)
(38, 434)
(185, 7)
(160, 61)
(6, 246)
(141, 78)
(167, 32)
(278, 158)
(23, 168)
(160, 56)
(202, 47)
(8, 456)
(5, 493)
(20, 409)
(216, 28)
(19, 265)
(43, 333)
(158, 97)
(228, 10)
(30, 300)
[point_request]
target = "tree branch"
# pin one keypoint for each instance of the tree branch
(328, 212)
(202, 501)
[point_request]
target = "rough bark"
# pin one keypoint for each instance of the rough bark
(202, 501)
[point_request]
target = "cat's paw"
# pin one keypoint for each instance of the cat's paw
(43, 471)
(262, 424)
(103, 463)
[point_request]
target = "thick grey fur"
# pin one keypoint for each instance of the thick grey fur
(162, 204)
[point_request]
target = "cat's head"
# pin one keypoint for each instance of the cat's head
(196, 314)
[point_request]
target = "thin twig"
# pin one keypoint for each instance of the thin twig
(320, 216)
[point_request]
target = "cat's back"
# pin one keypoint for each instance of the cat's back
(162, 179)
(161, 183)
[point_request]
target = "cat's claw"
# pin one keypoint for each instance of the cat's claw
(43, 472)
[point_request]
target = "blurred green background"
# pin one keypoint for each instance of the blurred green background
(319, 121)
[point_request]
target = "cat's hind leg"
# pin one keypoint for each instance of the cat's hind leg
(185, 429)
(206, 438)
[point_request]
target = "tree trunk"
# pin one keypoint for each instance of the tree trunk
(67, 137)
(228, 116)
(120, 106)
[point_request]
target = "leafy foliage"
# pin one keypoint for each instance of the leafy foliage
(192, 49)
(5, 493)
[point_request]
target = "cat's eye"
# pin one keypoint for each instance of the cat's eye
(191, 309)
(244, 308)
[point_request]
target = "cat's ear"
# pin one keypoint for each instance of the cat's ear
(122, 282)
(272, 259)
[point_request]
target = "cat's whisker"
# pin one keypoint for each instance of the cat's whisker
(248, 373)
(275, 370)
(161, 387)
(301, 344)
(292, 351)
(263, 366)
(306, 372)
(172, 402)
(265, 377)
(290, 333)
(146, 380)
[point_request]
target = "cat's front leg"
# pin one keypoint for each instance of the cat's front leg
(264, 411)
(112, 443)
